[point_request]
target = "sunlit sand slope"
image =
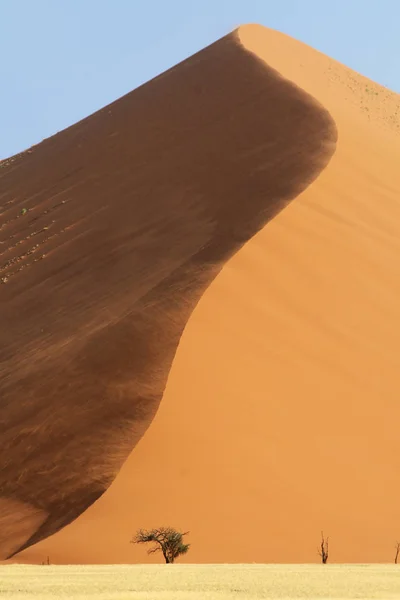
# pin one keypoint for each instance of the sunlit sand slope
(110, 233)
(281, 412)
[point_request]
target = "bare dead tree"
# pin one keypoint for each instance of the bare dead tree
(323, 550)
(396, 556)
(167, 540)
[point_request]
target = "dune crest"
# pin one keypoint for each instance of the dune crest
(111, 231)
(280, 415)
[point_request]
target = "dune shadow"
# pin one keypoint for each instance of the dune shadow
(131, 214)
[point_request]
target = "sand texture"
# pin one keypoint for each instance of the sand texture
(226, 239)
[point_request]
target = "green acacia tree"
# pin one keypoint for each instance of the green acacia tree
(167, 540)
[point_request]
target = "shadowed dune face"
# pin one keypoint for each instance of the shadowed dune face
(109, 233)
(18, 521)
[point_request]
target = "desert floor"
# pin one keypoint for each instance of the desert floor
(200, 582)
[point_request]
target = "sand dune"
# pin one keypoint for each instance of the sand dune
(280, 413)
(110, 233)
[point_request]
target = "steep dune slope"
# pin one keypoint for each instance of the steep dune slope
(110, 233)
(280, 415)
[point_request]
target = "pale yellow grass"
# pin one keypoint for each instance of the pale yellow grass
(200, 582)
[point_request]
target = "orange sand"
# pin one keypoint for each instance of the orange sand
(280, 415)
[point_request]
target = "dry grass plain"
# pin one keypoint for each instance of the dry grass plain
(200, 582)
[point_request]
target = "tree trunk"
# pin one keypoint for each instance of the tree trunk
(167, 560)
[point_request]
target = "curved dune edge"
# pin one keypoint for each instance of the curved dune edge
(291, 367)
(18, 522)
(146, 201)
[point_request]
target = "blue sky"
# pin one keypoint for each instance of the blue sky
(63, 59)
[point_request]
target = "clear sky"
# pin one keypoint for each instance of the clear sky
(63, 59)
